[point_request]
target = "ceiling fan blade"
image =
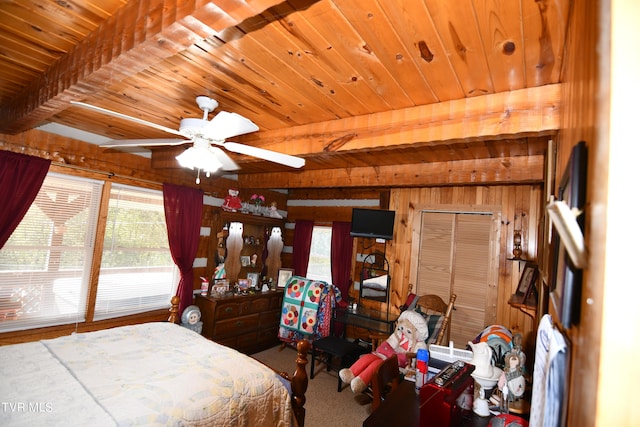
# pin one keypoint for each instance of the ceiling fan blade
(272, 156)
(125, 117)
(227, 163)
(226, 125)
(143, 142)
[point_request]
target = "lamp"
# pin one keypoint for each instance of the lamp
(200, 157)
(517, 244)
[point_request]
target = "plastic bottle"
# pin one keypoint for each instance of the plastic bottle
(422, 368)
(204, 286)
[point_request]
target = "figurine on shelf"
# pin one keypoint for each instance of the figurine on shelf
(273, 211)
(232, 202)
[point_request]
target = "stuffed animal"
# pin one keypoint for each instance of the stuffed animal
(232, 203)
(409, 336)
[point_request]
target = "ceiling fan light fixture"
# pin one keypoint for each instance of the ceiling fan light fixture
(191, 128)
(200, 157)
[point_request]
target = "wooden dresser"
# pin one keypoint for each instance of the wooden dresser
(248, 323)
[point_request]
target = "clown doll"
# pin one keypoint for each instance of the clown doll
(409, 336)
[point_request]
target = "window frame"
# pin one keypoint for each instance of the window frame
(92, 267)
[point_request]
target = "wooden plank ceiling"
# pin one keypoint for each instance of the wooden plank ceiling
(346, 84)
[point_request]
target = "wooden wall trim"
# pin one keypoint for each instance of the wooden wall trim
(512, 170)
(518, 113)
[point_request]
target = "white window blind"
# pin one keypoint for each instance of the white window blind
(137, 272)
(319, 267)
(43, 267)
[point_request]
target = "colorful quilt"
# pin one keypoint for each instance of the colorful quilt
(306, 309)
(300, 303)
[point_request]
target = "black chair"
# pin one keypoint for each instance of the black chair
(339, 347)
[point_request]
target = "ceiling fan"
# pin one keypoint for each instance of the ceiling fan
(207, 137)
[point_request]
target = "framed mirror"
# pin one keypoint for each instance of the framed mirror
(374, 277)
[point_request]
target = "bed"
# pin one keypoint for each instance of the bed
(156, 373)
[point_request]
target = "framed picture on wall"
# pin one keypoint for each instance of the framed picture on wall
(526, 284)
(253, 279)
(284, 274)
(566, 279)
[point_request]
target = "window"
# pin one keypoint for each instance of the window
(45, 265)
(137, 272)
(319, 267)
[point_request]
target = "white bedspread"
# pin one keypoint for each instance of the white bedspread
(152, 374)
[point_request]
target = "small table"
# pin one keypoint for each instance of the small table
(332, 346)
(402, 408)
(367, 318)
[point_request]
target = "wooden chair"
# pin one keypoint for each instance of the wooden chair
(434, 305)
(385, 380)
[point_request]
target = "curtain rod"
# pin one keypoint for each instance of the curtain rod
(112, 174)
(109, 174)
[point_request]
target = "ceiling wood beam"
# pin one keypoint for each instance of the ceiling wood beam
(511, 170)
(137, 36)
(517, 113)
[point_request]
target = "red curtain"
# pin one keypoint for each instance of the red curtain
(183, 214)
(341, 252)
(21, 177)
(302, 246)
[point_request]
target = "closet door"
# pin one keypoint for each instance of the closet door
(456, 256)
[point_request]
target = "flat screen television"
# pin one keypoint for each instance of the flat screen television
(372, 223)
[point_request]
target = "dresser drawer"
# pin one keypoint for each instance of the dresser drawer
(228, 309)
(260, 304)
(236, 326)
(275, 302)
(269, 319)
(247, 342)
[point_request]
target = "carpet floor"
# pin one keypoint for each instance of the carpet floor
(325, 407)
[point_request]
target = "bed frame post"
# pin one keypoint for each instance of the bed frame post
(300, 382)
(173, 311)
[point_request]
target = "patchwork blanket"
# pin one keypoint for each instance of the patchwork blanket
(306, 309)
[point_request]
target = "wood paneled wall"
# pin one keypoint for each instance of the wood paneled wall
(520, 206)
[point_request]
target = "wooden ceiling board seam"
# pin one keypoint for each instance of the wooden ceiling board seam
(373, 25)
(387, 84)
(326, 100)
(334, 59)
(305, 53)
(415, 29)
(543, 22)
(333, 64)
(463, 45)
(278, 80)
(350, 44)
(501, 33)
(249, 83)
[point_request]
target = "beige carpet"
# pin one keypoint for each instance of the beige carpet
(325, 406)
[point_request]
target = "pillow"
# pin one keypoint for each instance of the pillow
(434, 322)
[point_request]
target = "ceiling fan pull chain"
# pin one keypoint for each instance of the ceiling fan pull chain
(198, 177)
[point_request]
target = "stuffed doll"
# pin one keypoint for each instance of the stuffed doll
(232, 203)
(409, 336)
(513, 377)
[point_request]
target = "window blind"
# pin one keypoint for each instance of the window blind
(319, 267)
(44, 271)
(137, 272)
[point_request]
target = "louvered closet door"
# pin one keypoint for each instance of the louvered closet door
(455, 257)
